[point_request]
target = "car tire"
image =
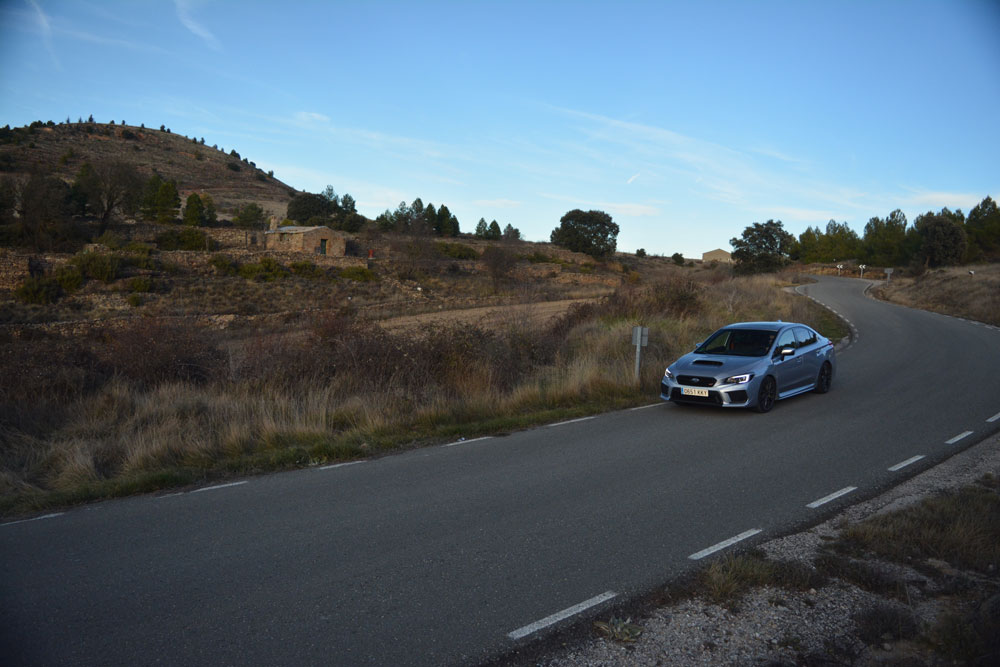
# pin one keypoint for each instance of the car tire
(766, 395)
(824, 379)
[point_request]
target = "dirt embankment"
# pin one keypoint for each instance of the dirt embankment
(972, 292)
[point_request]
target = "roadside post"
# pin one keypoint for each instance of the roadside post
(862, 267)
(640, 338)
(840, 267)
(888, 275)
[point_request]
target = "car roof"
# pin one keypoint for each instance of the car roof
(766, 326)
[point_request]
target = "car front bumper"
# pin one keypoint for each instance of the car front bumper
(726, 396)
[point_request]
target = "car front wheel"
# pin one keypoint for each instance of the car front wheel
(766, 395)
(824, 379)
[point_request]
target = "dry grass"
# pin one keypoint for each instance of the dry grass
(960, 527)
(951, 291)
(167, 403)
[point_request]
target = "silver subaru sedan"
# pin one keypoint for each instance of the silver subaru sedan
(752, 365)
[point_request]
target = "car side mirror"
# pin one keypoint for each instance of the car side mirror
(787, 352)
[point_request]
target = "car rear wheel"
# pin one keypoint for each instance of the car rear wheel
(824, 379)
(766, 395)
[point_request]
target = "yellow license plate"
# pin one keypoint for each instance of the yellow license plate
(690, 391)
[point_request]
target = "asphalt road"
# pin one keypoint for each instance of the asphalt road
(458, 553)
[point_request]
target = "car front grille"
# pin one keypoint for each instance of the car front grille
(696, 380)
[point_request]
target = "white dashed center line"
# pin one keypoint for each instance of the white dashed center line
(559, 616)
(960, 436)
(994, 418)
(903, 464)
(833, 496)
(725, 543)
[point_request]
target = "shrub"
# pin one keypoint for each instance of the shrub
(141, 284)
(233, 166)
(134, 300)
(188, 238)
(267, 270)
(97, 266)
(641, 252)
(457, 250)
(109, 240)
(538, 257)
(39, 291)
(307, 270)
(69, 278)
(224, 265)
(358, 274)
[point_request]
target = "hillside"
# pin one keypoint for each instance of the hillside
(62, 149)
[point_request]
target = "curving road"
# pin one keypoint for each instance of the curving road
(456, 554)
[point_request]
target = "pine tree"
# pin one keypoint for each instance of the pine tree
(194, 211)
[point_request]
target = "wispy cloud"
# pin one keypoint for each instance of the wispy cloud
(45, 27)
(936, 200)
(196, 28)
(311, 117)
(110, 41)
(629, 181)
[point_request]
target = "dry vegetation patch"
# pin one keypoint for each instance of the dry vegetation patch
(972, 292)
(156, 401)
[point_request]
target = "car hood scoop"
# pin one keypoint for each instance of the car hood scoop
(706, 362)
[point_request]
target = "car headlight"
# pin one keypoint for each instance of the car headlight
(738, 379)
(667, 374)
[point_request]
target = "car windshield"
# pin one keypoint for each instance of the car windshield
(738, 342)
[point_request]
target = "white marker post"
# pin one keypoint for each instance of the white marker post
(640, 338)
(862, 267)
(888, 275)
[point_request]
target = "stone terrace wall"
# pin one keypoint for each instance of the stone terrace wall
(201, 261)
(13, 269)
(17, 266)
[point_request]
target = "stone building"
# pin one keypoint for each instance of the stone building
(311, 240)
(717, 255)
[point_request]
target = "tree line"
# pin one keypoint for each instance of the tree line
(942, 238)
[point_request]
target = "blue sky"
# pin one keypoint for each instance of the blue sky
(686, 122)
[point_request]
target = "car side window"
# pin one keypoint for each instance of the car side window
(804, 337)
(786, 339)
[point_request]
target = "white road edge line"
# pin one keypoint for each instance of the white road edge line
(903, 464)
(572, 421)
(219, 486)
(653, 405)
(37, 518)
(465, 442)
(725, 543)
(994, 418)
(559, 616)
(340, 465)
(833, 496)
(960, 436)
